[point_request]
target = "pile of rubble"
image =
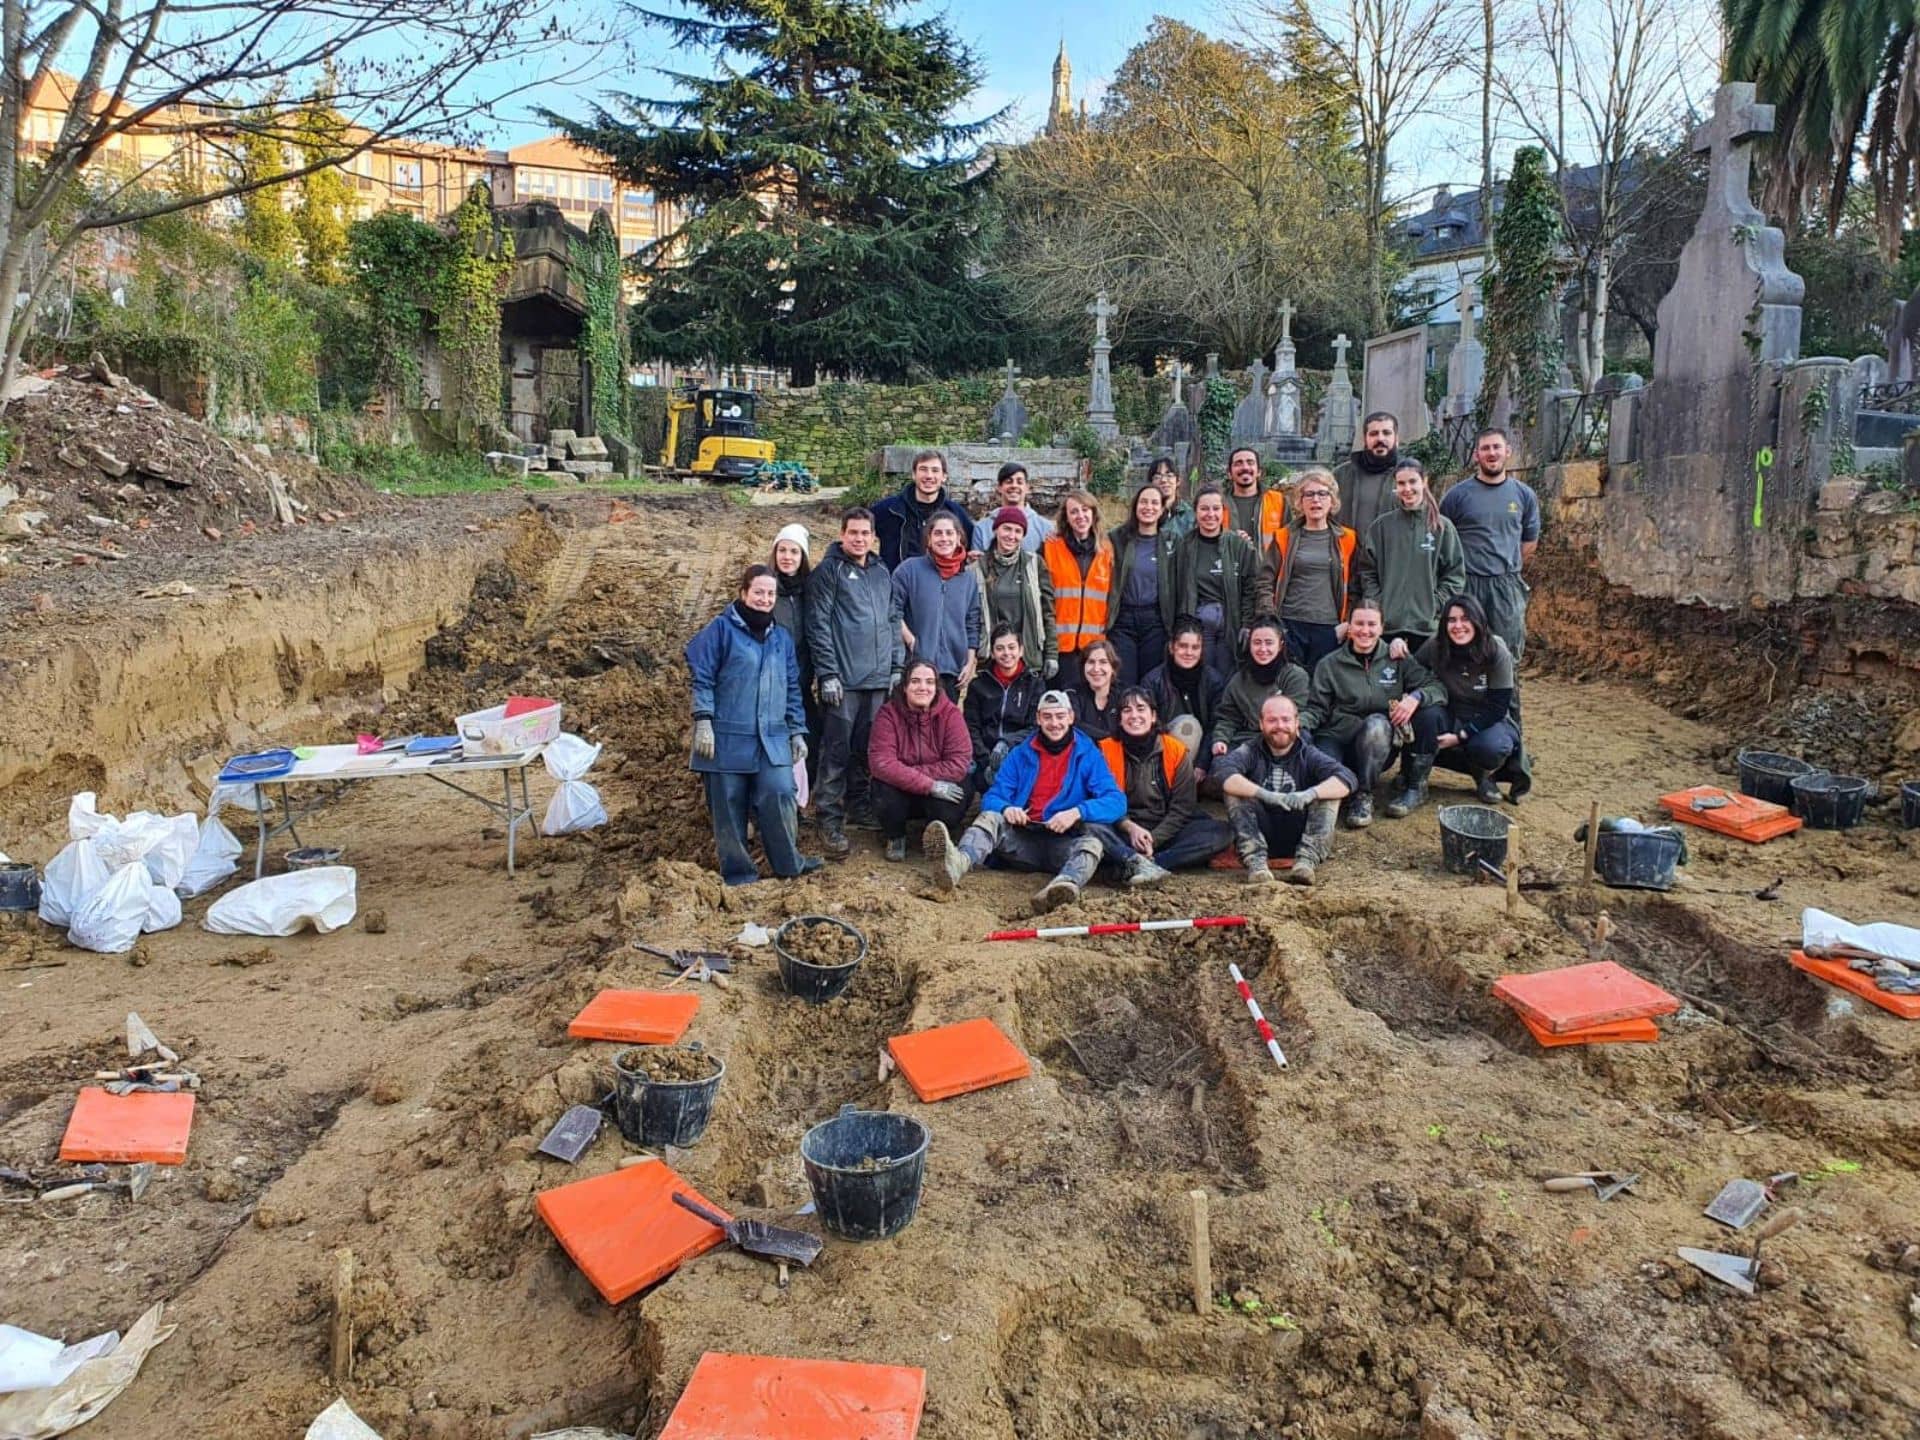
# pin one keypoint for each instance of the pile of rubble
(581, 456)
(99, 468)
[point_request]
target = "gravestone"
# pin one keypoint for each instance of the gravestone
(1100, 386)
(1395, 380)
(1250, 415)
(1009, 419)
(1339, 409)
(1176, 434)
(1467, 365)
(1283, 391)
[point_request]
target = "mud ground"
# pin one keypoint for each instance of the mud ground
(1390, 1264)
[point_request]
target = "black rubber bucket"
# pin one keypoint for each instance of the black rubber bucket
(815, 983)
(1830, 802)
(662, 1112)
(1470, 834)
(1638, 860)
(19, 886)
(866, 1168)
(1910, 805)
(1767, 776)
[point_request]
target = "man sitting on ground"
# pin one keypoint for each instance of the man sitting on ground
(1365, 705)
(1282, 796)
(1041, 812)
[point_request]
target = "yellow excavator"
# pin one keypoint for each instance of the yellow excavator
(727, 443)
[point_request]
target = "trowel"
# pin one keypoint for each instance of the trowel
(757, 1236)
(1741, 1201)
(572, 1133)
(1742, 1272)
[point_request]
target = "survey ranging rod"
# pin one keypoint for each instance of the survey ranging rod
(1130, 927)
(1259, 1020)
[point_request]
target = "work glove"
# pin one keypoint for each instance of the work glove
(1287, 799)
(703, 738)
(948, 791)
(893, 681)
(830, 692)
(799, 750)
(1052, 669)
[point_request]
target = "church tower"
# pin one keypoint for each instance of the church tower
(1060, 111)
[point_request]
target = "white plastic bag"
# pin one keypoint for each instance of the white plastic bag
(163, 909)
(286, 904)
(111, 919)
(215, 858)
(164, 843)
(71, 879)
(576, 804)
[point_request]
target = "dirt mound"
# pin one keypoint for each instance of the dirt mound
(102, 468)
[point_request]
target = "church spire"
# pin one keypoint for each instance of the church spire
(1060, 111)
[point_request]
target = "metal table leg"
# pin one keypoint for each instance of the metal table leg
(260, 825)
(513, 821)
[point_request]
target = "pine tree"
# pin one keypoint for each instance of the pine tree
(266, 224)
(324, 207)
(828, 201)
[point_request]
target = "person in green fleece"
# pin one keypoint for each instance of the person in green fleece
(1410, 563)
(1364, 704)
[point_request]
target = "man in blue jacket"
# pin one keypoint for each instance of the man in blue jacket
(1044, 812)
(900, 520)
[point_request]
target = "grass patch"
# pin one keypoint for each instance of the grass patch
(407, 470)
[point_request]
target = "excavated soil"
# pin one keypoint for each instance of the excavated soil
(667, 1063)
(821, 943)
(1386, 1264)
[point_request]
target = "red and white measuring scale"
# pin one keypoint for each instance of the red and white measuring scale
(1130, 927)
(1259, 1020)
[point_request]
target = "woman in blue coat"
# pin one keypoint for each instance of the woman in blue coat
(749, 729)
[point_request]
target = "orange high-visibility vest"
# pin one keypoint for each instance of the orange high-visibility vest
(1172, 752)
(1079, 605)
(1345, 542)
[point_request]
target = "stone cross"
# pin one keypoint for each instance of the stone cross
(1285, 312)
(1013, 371)
(1737, 120)
(1340, 347)
(1179, 373)
(1101, 310)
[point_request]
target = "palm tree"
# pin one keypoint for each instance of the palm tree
(1843, 76)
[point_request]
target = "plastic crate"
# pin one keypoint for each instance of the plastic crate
(490, 732)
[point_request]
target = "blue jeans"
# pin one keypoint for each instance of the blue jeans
(769, 794)
(1139, 637)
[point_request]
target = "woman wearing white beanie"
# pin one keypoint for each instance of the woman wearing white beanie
(792, 563)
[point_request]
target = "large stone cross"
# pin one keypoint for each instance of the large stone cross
(1737, 119)
(1179, 373)
(1340, 347)
(1013, 371)
(1101, 310)
(1285, 312)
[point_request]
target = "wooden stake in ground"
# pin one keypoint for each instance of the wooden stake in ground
(1513, 887)
(1593, 842)
(1202, 1254)
(342, 1365)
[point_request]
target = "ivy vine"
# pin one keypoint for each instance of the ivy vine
(1215, 423)
(1522, 327)
(595, 267)
(473, 279)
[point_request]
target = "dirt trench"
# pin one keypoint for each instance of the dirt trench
(1386, 1263)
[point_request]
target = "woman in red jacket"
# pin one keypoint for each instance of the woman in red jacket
(918, 756)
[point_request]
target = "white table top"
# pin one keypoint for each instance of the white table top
(345, 762)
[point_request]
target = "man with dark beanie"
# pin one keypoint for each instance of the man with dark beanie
(1366, 476)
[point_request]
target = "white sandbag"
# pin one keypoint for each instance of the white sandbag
(83, 816)
(215, 858)
(576, 804)
(112, 918)
(163, 909)
(286, 904)
(72, 878)
(164, 843)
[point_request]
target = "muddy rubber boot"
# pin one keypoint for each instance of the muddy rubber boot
(897, 848)
(1485, 788)
(1065, 887)
(1316, 843)
(1249, 841)
(1359, 811)
(1414, 771)
(950, 862)
(1143, 872)
(833, 840)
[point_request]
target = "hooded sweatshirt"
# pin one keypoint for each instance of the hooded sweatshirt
(1366, 489)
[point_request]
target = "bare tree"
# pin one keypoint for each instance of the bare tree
(192, 73)
(1389, 58)
(1601, 82)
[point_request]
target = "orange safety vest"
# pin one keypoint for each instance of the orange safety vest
(1172, 752)
(1079, 605)
(1273, 518)
(1345, 542)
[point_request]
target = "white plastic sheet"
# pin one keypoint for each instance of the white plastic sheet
(49, 1412)
(1823, 934)
(113, 916)
(286, 904)
(36, 1362)
(576, 804)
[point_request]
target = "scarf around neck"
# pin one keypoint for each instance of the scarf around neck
(758, 622)
(948, 566)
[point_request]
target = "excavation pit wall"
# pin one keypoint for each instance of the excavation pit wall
(1385, 1260)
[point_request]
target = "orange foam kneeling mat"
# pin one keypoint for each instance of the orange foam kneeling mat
(1579, 997)
(122, 1129)
(766, 1397)
(1619, 1032)
(1836, 972)
(1741, 818)
(954, 1059)
(1228, 860)
(635, 1017)
(624, 1231)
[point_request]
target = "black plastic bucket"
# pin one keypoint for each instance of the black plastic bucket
(662, 1112)
(1830, 802)
(19, 886)
(1470, 834)
(1910, 805)
(815, 983)
(1767, 776)
(1638, 860)
(866, 1168)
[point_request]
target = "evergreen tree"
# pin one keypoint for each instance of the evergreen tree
(324, 206)
(828, 201)
(266, 224)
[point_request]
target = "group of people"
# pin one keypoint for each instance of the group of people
(1274, 649)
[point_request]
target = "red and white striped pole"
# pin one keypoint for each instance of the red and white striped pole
(1131, 927)
(1259, 1020)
